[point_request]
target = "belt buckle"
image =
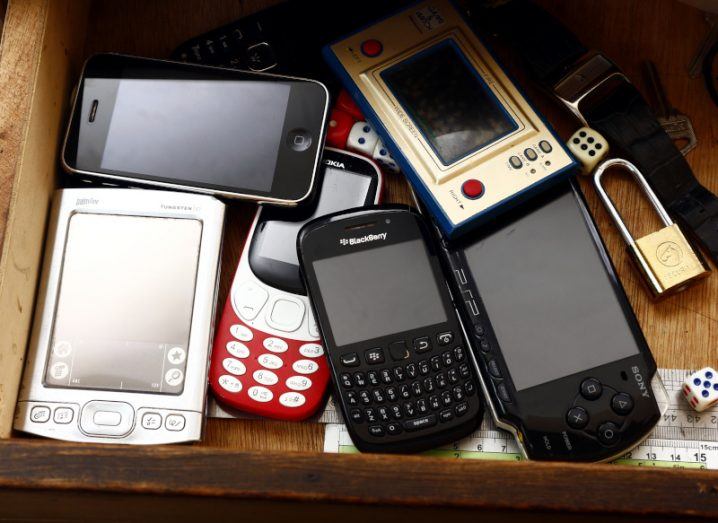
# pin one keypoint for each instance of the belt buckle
(593, 71)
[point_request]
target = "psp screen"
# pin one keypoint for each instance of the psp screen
(448, 101)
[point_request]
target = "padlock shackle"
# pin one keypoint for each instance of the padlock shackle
(611, 207)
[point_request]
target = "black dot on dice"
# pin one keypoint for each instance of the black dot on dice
(590, 139)
(584, 147)
(576, 140)
(598, 146)
(592, 153)
(582, 134)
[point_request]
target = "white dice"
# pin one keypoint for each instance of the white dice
(362, 139)
(701, 389)
(382, 157)
(589, 147)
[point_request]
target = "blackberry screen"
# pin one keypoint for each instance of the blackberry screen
(448, 101)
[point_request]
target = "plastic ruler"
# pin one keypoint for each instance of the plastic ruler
(682, 438)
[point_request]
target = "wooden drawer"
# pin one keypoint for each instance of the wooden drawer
(274, 469)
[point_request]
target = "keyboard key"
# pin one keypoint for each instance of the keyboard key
(422, 406)
(350, 360)
(416, 388)
(386, 376)
(464, 370)
(446, 398)
(393, 429)
(352, 399)
(461, 409)
(373, 378)
(398, 350)
(447, 358)
(424, 367)
(370, 415)
(428, 385)
(364, 397)
(346, 380)
(458, 393)
(445, 338)
(355, 415)
(405, 391)
(411, 370)
(376, 431)
(409, 409)
(383, 414)
(420, 423)
(399, 373)
(378, 395)
(470, 388)
(436, 363)
(359, 379)
(446, 415)
(422, 345)
(441, 380)
(453, 376)
(396, 412)
(459, 354)
(374, 356)
(434, 402)
(391, 394)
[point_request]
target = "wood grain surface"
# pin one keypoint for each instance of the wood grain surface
(681, 330)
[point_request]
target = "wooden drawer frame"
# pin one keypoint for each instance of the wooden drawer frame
(40, 56)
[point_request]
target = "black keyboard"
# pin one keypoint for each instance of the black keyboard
(401, 391)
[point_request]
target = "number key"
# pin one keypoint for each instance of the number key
(386, 376)
(373, 378)
(365, 397)
(370, 415)
(396, 411)
(359, 379)
(383, 414)
(391, 393)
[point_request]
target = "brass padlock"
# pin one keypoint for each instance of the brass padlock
(665, 258)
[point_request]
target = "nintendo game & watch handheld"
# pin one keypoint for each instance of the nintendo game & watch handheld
(467, 139)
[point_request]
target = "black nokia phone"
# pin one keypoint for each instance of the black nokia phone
(204, 129)
(562, 360)
(401, 371)
(286, 38)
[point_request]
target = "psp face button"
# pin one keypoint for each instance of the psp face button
(577, 418)
(622, 403)
(591, 389)
(608, 433)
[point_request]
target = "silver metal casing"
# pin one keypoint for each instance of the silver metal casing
(142, 417)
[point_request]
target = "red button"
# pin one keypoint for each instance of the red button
(473, 189)
(371, 48)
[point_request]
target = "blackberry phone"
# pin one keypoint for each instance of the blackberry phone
(400, 368)
(561, 357)
(286, 38)
(267, 358)
(203, 129)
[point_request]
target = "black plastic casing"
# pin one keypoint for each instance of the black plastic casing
(537, 415)
(319, 239)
